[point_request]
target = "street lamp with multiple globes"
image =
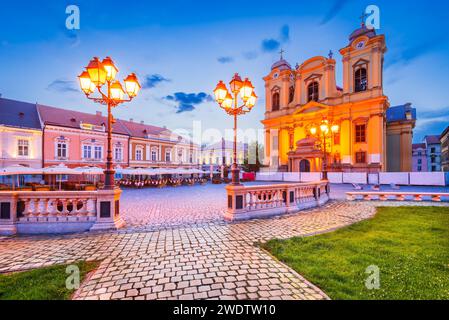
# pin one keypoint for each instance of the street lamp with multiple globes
(97, 74)
(323, 131)
(229, 102)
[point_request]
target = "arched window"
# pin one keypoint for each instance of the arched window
(291, 94)
(313, 91)
(361, 80)
(276, 102)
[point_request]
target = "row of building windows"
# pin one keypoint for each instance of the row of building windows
(154, 156)
(313, 89)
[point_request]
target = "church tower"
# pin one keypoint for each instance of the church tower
(363, 61)
(366, 137)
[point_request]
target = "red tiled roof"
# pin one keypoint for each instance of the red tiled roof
(73, 119)
(432, 139)
(139, 130)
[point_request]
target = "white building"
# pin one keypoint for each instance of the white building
(20, 134)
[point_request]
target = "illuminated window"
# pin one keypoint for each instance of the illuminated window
(167, 156)
(23, 148)
(118, 153)
(98, 152)
(313, 92)
(61, 150)
(276, 103)
(336, 139)
(139, 154)
(153, 155)
(360, 133)
(361, 80)
(291, 94)
(87, 152)
(360, 157)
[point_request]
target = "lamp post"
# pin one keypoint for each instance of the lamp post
(229, 102)
(97, 74)
(324, 131)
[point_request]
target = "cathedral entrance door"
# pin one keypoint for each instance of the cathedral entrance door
(304, 166)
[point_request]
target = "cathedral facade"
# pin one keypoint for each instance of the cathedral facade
(311, 123)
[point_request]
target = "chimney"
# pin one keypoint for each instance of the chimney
(98, 113)
(131, 120)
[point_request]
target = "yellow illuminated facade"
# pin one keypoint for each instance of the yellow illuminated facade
(299, 99)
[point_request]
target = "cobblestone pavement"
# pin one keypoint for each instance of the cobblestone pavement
(212, 261)
(151, 209)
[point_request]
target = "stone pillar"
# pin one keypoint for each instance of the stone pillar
(108, 210)
(8, 213)
(267, 148)
(236, 202)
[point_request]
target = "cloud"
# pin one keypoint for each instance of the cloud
(273, 44)
(337, 6)
(153, 80)
(431, 122)
(60, 85)
(187, 102)
(225, 59)
(412, 53)
(285, 33)
(270, 45)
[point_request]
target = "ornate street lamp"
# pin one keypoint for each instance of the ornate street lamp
(229, 102)
(99, 73)
(324, 131)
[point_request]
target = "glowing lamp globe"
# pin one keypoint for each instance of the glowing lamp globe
(85, 83)
(117, 92)
(335, 128)
(246, 90)
(236, 83)
(220, 92)
(132, 85)
(97, 72)
(313, 131)
(324, 128)
(251, 101)
(111, 69)
(228, 101)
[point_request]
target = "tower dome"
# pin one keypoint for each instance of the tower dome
(281, 65)
(362, 31)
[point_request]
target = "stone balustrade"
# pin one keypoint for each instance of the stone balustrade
(55, 212)
(46, 206)
(259, 201)
(396, 196)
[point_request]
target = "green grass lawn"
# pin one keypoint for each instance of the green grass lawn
(410, 245)
(41, 284)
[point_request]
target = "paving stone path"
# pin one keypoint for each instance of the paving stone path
(213, 260)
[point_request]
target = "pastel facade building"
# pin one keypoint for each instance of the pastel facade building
(222, 152)
(300, 98)
(433, 149)
(154, 147)
(419, 157)
(20, 134)
(40, 136)
(80, 139)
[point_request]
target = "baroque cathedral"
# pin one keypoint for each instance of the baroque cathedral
(311, 123)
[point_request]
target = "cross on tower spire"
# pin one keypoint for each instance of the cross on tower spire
(363, 18)
(282, 54)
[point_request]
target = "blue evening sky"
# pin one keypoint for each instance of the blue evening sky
(180, 49)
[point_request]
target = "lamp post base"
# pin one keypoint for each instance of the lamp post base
(109, 181)
(235, 176)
